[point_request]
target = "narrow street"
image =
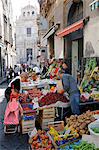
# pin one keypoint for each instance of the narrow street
(13, 141)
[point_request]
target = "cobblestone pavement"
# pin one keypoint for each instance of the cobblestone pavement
(12, 141)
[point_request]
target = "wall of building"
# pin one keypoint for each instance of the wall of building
(23, 42)
(91, 30)
(6, 36)
(54, 15)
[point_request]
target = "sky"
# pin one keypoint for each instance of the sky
(18, 4)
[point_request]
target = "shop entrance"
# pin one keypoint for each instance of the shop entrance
(51, 46)
(77, 54)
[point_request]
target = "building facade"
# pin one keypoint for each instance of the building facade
(52, 10)
(72, 34)
(77, 22)
(42, 43)
(27, 35)
(7, 47)
(91, 30)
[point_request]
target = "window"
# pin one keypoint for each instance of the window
(6, 1)
(28, 13)
(23, 13)
(43, 50)
(32, 12)
(94, 5)
(28, 32)
(29, 54)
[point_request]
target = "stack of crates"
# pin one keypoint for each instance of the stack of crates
(28, 120)
(46, 115)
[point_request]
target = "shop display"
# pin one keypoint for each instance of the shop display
(51, 98)
(90, 84)
(84, 146)
(80, 123)
(34, 93)
(62, 136)
(41, 141)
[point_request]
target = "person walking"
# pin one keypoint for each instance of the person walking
(11, 72)
(70, 86)
(7, 74)
(16, 70)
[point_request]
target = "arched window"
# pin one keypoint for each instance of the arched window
(28, 13)
(23, 13)
(75, 13)
(32, 12)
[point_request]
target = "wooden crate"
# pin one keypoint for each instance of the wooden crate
(46, 115)
(58, 125)
(27, 126)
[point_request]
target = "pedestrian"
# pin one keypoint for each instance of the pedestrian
(36, 69)
(43, 68)
(7, 74)
(16, 70)
(11, 72)
(70, 86)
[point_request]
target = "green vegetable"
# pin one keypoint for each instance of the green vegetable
(96, 130)
(85, 146)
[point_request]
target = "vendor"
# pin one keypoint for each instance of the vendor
(70, 86)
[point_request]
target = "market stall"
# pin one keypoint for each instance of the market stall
(90, 84)
(72, 136)
(42, 97)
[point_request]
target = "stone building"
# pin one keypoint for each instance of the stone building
(52, 10)
(72, 34)
(42, 43)
(7, 47)
(73, 38)
(27, 35)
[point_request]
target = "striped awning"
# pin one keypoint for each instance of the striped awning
(72, 28)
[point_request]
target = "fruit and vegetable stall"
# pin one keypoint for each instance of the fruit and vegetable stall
(40, 102)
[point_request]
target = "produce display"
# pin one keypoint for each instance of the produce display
(41, 141)
(34, 93)
(23, 98)
(63, 137)
(96, 130)
(80, 145)
(90, 83)
(84, 146)
(80, 123)
(51, 98)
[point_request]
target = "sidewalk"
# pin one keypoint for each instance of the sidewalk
(2, 80)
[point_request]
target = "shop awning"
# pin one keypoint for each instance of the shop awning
(72, 28)
(51, 31)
